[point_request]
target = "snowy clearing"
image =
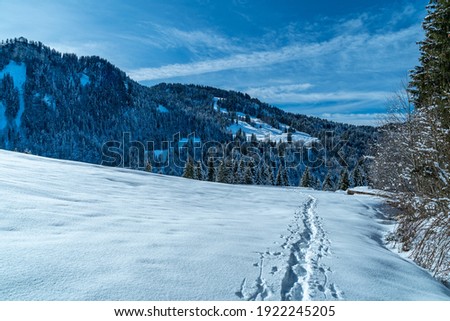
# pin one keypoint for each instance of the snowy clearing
(264, 131)
(84, 79)
(18, 72)
(260, 129)
(162, 109)
(73, 231)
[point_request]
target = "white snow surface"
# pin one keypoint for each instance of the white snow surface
(74, 231)
(84, 79)
(216, 106)
(49, 101)
(18, 71)
(215, 100)
(264, 131)
(162, 109)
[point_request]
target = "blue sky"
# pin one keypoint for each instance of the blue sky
(334, 59)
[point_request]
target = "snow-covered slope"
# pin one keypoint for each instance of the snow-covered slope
(72, 231)
(260, 129)
(264, 131)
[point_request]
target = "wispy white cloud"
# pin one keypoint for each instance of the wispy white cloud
(248, 60)
(353, 25)
(296, 96)
(199, 39)
(363, 50)
(337, 64)
(275, 92)
(336, 107)
(350, 113)
(199, 42)
(407, 12)
(295, 93)
(371, 119)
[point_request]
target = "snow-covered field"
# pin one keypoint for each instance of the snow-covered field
(72, 231)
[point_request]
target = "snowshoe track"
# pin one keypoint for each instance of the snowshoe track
(303, 276)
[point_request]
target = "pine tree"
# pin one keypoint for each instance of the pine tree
(148, 167)
(229, 169)
(235, 172)
(248, 176)
(285, 177)
(222, 173)
(357, 176)
(198, 171)
(306, 180)
(344, 181)
(317, 183)
(211, 175)
(258, 180)
(266, 175)
(289, 137)
(253, 170)
(279, 179)
(282, 179)
(430, 82)
(328, 183)
(270, 179)
(188, 171)
(240, 172)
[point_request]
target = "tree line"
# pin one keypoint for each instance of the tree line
(413, 151)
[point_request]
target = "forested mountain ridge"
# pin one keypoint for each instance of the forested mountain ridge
(68, 107)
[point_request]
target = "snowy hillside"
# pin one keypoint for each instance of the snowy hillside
(264, 131)
(72, 231)
(260, 129)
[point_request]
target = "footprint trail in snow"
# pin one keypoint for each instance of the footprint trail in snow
(295, 271)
